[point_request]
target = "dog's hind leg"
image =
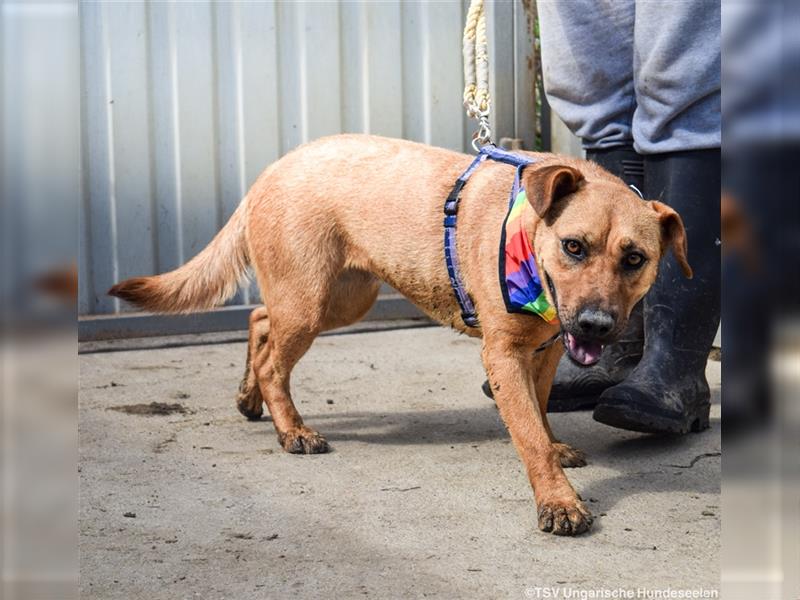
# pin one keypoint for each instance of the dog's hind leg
(288, 340)
(352, 295)
(249, 400)
(294, 321)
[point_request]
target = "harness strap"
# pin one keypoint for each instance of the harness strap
(487, 152)
(547, 343)
(468, 314)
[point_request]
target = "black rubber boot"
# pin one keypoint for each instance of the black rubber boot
(668, 392)
(622, 161)
(576, 387)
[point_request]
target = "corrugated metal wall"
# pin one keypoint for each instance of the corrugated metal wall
(185, 103)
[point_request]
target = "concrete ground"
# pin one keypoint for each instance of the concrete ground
(422, 496)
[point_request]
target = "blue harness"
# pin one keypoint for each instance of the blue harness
(487, 152)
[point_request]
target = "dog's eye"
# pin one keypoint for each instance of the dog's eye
(633, 261)
(573, 248)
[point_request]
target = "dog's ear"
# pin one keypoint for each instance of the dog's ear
(673, 234)
(548, 184)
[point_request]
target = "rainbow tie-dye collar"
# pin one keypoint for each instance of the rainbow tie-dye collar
(523, 291)
(519, 276)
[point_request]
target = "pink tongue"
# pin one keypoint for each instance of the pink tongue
(584, 352)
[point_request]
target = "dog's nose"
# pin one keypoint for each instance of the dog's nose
(595, 323)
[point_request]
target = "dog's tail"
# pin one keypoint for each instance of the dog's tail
(206, 281)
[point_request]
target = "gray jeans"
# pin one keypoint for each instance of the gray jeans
(645, 72)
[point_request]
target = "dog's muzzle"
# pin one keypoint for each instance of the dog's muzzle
(582, 350)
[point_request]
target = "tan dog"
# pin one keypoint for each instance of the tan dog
(324, 225)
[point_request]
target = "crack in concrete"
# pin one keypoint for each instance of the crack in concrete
(695, 460)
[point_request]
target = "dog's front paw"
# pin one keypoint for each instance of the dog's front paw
(303, 440)
(564, 517)
(569, 456)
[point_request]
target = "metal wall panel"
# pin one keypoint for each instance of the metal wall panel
(185, 103)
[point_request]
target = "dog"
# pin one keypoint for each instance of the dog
(323, 226)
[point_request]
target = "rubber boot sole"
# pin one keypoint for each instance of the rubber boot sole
(632, 418)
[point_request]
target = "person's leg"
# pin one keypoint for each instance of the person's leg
(676, 67)
(587, 67)
(677, 127)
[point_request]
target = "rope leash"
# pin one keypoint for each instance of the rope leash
(477, 100)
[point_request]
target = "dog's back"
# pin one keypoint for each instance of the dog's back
(351, 198)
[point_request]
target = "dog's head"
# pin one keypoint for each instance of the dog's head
(598, 246)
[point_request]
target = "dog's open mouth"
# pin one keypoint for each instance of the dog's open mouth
(583, 352)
